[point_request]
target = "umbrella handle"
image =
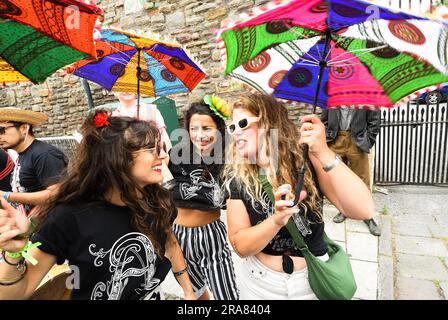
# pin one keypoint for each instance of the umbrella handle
(300, 178)
(139, 72)
(322, 65)
(299, 185)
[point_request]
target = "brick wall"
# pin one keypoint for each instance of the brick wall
(190, 22)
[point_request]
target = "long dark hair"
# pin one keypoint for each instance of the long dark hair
(103, 160)
(203, 109)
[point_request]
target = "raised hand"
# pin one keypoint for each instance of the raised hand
(12, 223)
(283, 209)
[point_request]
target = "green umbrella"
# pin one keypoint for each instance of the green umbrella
(38, 37)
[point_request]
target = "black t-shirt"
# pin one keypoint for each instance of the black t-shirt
(40, 166)
(306, 222)
(196, 185)
(114, 260)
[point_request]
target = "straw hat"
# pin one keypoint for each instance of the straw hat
(25, 116)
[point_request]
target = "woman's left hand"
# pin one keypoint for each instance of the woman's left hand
(313, 133)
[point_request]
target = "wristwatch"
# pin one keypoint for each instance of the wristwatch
(330, 166)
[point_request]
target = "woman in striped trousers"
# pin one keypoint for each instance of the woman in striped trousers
(196, 164)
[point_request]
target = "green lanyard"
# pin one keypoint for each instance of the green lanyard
(290, 226)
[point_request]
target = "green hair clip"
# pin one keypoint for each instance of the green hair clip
(218, 106)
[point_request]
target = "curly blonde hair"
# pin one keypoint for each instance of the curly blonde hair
(244, 175)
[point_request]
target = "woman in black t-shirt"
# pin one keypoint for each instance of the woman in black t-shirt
(110, 219)
(196, 164)
(266, 142)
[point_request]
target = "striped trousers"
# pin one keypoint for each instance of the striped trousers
(209, 259)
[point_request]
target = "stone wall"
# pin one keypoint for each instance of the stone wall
(190, 22)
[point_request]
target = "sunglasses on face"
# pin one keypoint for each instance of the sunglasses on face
(242, 124)
(156, 151)
(3, 129)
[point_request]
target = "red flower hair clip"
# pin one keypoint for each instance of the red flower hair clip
(100, 120)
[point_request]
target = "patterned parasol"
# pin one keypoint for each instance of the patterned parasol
(139, 64)
(38, 37)
(332, 53)
(336, 52)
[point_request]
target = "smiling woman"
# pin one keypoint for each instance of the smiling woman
(115, 182)
(274, 266)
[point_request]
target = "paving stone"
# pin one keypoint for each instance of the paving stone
(421, 267)
(415, 218)
(385, 278)
(329, 212)
(366, 275)
(335, 231)
(421, 201)
(439, 231)
(385, 240)
(417, 289)
(442, 218)
(421, 246)
(410, 228)
(362, 246)
(342, 244)
(444, 286)
(356, 226)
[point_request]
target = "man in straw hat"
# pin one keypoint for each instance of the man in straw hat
(38, 165)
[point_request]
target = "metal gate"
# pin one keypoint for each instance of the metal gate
(412, 145)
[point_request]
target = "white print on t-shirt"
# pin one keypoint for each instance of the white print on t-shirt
(279, 243)
(302, 224)
(16, 187)
(130, 248)
(15, 181)
(266, 208)
(263, 207)
(197, 182)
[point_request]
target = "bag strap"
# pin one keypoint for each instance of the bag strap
(290, 226)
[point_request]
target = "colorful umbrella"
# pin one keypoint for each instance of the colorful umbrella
(9, 74)
(41, 36)
(132, 63)
(365, 55)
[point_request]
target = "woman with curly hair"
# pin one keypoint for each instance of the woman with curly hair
(266, 142)
(110, 219)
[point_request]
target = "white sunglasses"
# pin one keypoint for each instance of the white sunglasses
(242, 124)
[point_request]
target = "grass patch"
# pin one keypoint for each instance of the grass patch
(385, 210)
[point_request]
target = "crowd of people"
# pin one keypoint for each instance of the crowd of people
(108, 213)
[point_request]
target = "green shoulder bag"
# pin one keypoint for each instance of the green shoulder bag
(330, 280)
